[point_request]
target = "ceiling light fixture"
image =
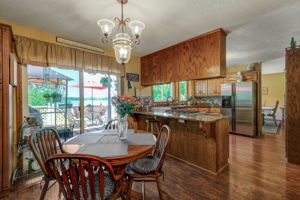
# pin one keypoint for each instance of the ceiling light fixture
(122, 42)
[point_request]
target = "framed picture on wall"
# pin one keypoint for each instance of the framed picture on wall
(264, 90)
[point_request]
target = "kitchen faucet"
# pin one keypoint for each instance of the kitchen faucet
(169, 98)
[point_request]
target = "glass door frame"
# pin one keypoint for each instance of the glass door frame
(81, 95)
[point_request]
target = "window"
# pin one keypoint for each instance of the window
(161, 92)
(182, 90)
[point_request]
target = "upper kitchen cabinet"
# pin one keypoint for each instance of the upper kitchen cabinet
(201, 88)
(214, 86)
(199, 58)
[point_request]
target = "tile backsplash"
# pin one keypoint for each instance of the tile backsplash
(210, 101)
(215, 101)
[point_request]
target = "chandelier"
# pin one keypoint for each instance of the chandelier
(122, 42)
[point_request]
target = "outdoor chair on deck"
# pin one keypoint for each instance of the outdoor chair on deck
(44, 144)
(271, 116)
(149, 169)
(85, 176)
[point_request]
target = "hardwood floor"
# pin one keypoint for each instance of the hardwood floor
(257, 170)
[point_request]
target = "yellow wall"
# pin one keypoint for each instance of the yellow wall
(133, 66)
(276, 89)
(274, 82)
(234, 69)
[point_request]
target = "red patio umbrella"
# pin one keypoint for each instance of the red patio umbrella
(92, 85)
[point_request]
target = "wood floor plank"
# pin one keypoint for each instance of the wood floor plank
(257, 170)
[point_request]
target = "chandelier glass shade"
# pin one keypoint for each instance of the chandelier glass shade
(122, 42)
(106, 26)
(122, 46)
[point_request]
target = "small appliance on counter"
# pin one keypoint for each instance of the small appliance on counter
(239, 104)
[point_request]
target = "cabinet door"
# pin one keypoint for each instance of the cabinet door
(1, 52)
(211, 85)
(146, 70)
(1, 134)
(214, 86)
(201, 88)
(219, 82)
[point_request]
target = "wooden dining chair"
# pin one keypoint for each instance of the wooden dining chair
(85, 176)
(44, 144)
(112, 124)
(149, 169)
(272, 115)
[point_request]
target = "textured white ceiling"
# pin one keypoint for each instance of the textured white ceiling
(259, 29)
(273, 66)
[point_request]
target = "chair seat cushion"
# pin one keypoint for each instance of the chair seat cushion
(145, 165)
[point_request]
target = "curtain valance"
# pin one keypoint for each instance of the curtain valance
(35, 52)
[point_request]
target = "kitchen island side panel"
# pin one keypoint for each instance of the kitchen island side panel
(203, 144)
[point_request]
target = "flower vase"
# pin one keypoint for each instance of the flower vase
(122, 127)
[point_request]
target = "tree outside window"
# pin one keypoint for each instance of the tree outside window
(182, 90)
(161, 92)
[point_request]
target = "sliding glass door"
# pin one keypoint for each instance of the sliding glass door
(98, 89)
(69, 99)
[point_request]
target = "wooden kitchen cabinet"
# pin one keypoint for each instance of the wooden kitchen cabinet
(5, 51)
(214, 87)
(201, 88)
(201, 57)
(210, 87)
(292, 63)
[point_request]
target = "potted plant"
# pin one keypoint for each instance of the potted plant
(105, 81)
(47, 96)
(56, 97)
(125, 106)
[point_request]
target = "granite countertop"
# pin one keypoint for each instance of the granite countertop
(197, 106)
(207, 117)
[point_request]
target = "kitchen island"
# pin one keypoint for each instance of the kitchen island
(198, 139)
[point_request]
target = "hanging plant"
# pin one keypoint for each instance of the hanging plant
(47, 96)
(105, 81)
(56, 97)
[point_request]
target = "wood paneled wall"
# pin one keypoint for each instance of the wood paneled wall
(5, 50)
(293, 105)
(198, 58)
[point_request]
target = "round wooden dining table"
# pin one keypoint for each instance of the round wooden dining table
(135, 152)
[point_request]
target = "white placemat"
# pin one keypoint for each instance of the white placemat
(132, 139)
(114, 131)
(86, 138)
(104, 150)
(141, 139)
(110, 139)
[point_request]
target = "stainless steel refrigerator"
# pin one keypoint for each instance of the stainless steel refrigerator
(241, 108)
